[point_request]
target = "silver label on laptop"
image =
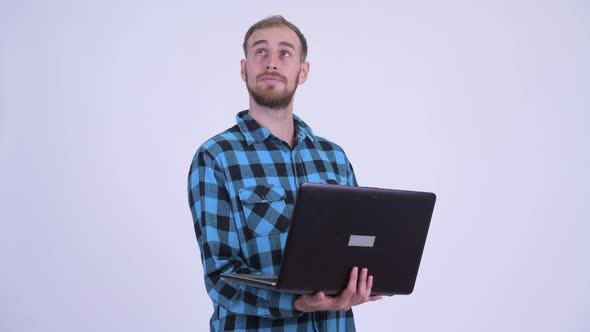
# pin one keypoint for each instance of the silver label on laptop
(361, 241)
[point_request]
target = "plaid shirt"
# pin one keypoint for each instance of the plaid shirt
(242, 188)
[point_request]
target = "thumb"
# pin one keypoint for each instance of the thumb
(319, 297)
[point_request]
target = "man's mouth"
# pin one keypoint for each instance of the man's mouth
(271, 78)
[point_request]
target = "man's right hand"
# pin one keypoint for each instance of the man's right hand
(358, 291)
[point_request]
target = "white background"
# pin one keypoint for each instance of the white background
(103, 103)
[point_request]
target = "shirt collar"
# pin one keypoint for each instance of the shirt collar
(255, 133)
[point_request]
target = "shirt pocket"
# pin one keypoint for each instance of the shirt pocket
(264, 209)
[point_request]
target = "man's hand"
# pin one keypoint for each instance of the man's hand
(357, 291)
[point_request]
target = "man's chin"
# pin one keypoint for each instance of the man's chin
(271, 100)
(273, 104)
(272, 97)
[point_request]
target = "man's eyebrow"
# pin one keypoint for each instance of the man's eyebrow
(260, 41)
(283, 43)
(264, 41)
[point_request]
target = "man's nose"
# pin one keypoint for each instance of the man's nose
(272, 62)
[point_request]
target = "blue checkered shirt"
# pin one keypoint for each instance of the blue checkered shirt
(242, 188)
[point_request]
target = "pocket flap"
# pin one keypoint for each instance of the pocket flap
(261, 194)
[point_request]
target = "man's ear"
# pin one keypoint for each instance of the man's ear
(243, 69)
(303, 72)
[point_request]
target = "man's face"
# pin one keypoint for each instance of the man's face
(273, 69)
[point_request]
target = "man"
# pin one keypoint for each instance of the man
(242, 188)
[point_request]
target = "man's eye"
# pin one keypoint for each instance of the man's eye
(286, 53)
(260, 51)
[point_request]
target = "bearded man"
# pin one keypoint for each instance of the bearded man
(242, 188)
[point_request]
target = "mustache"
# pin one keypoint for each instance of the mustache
(277, 75)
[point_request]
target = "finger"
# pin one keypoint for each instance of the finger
(350, 289)
(356, 297)
(311, 302)
(319, 297)
(362, 283)
(370, 283)
(369, 288)
(315, 298)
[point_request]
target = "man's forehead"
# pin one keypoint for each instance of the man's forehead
(274, 35)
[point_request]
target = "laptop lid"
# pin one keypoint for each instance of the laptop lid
(335, 228)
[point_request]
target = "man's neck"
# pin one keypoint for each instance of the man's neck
(278, 121)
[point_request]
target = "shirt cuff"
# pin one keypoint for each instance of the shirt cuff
(283, 305)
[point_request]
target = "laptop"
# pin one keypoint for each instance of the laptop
(335, 228)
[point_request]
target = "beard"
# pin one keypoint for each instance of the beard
(270, 96)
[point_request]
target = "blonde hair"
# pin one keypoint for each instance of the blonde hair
(272, 22)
